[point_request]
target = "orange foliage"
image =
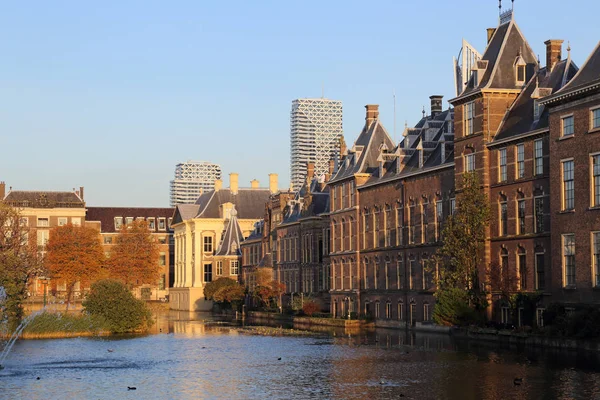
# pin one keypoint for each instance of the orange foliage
(74, 253)
(135, 255)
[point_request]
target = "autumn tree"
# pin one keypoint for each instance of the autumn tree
(135, 255)
(267, 289)
(74, 254)
(459, 292)
(19, 263)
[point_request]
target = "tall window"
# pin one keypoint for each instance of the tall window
(411, 224)
(426, 314)
(424, 222)
(207, 272)
(522, 270)
(539, 156)
(568, 242)
(502, 162)
(521, 212)
(567, 126)
(596, 118)
(399, 225)
(452, 206)
(439, 215)
(540, 279)
(469, 117)
(234, 267)
(503, 218)
(219, 268)
(208, 244)
(470, 162)
(596, 258)
(520, 161)
(568, 185)
(595, 180)
(503, 264)
(538, 214)
(411, 274)
(399, 273)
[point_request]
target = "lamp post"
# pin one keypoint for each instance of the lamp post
(347, 298)
(45, 283)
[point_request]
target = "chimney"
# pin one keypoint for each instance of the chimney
(310, 171)
(331, 167)
(443, 148)
(436, 104)
(234, 182)
(218, 185)
(273, 183)
(490, 34)
(81, 192)
(372, 113)
(254, 184)
(553, 52)
(2, 190)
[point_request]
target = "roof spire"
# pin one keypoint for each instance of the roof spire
(569, 48)
(423, 111)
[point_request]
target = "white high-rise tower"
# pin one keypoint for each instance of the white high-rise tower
(191, 179)
(316, 128)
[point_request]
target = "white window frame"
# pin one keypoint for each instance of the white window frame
(538, 170)
(151, 223)
(536, 266)
(595, 250)
(118, 223)
(563, 259)
(210, 244)
(43, 222)
(234, 267)
(562, 125)
(162, 221)
(470, 162)
(594, 190)
(62, 221)
(502, 165)
(76, 221)
(592, 110)
(562, 184)
(469, 118)
(520, 157)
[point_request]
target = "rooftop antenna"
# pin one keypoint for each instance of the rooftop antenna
(499, 8)
(394, 93)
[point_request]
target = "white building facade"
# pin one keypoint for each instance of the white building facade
(192, 178)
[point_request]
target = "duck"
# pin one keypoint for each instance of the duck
(279, 359)
(131, 388)
(382, 382)
(518, 381)
(110, 350)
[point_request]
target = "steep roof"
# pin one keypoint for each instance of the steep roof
(520, 118)
(106, 216)
(44, 199)
(249, 203)
(231, 240)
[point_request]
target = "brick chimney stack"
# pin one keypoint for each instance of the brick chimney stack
(2, 190)
(553, 52)
(81, 192)
(310, 171)
(218, 185)
(273, 183)
(234, 179)
(372, 113)
(254, 184)
(436, 104)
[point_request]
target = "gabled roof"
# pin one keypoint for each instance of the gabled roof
(184, 212)
(588, 76)
(520, 118)
(498, 60)
(44, 199)
(231, 240)
(363, 158)
(106, 216)
(249, 203)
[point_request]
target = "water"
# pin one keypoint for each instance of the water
(205, 359)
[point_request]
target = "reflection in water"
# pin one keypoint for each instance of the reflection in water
(196, 356)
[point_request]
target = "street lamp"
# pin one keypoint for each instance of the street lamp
(347, 298)
(45, 283)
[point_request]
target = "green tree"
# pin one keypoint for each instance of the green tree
(213, 287)
(113, 301)
(463, 241)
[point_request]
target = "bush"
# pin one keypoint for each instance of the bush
(452, 308)
(230, 295)
(213, 287)
(310, 307)
(115, 303)
(581, 322)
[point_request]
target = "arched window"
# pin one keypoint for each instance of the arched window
(522, 268)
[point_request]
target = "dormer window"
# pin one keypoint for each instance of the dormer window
(537, 109)
(520, 71)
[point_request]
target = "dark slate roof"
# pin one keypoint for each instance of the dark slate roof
(500, 54)
(369, 142)
(106, 216)
(249, 203)
(256, 234)
(520, 118)
(589, 74)
(231, 240)
(266, 261)
(43, 199)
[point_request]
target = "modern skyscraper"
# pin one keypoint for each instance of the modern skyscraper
(315, 131)
(191, 178)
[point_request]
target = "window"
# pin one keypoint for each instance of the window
(502, 162)
(521, 214)
(43, 222)
(162, 224)
(207, 272)
(42, 237)
(76, 221)
(539, 313)
(568, 242)
(128, 220)
(162, 259)
(540, 279)
(568, 185)
(595, 180)
(539, 157)
(520, 161)
(596, 258)
(411, 227)
(108, 239)
(411, 275)
(503, 265)
(162, 284)
(537, 109)
(522, 258)
(23, 221)
(424, 223)
(470, 162)
(567, 126)
(470, 115)
(425, 312)
(503, 218)
(596, 118)
(234, 267)
(151, 224)
(439, 215)
(452, 206)
(376, 310)
(400, 307)
(520, 74)
(208, 244)
(388, 310)
(62, 221)
(538, 214)
(118, 223)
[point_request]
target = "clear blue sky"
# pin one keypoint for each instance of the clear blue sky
(110, 95)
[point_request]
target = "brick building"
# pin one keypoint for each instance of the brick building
(109, 220)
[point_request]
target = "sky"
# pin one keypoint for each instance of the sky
(111, 95)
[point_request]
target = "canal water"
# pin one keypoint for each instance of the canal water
(192, 356)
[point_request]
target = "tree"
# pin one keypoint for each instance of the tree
(113, 301)
(463, 240)
(213, 287)
(74, 254)
(310, 307)
(19, 262)
(134, 256)
(232, 294)
(269, 291)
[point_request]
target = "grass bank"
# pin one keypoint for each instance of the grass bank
(272, 331)
(52, 325)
